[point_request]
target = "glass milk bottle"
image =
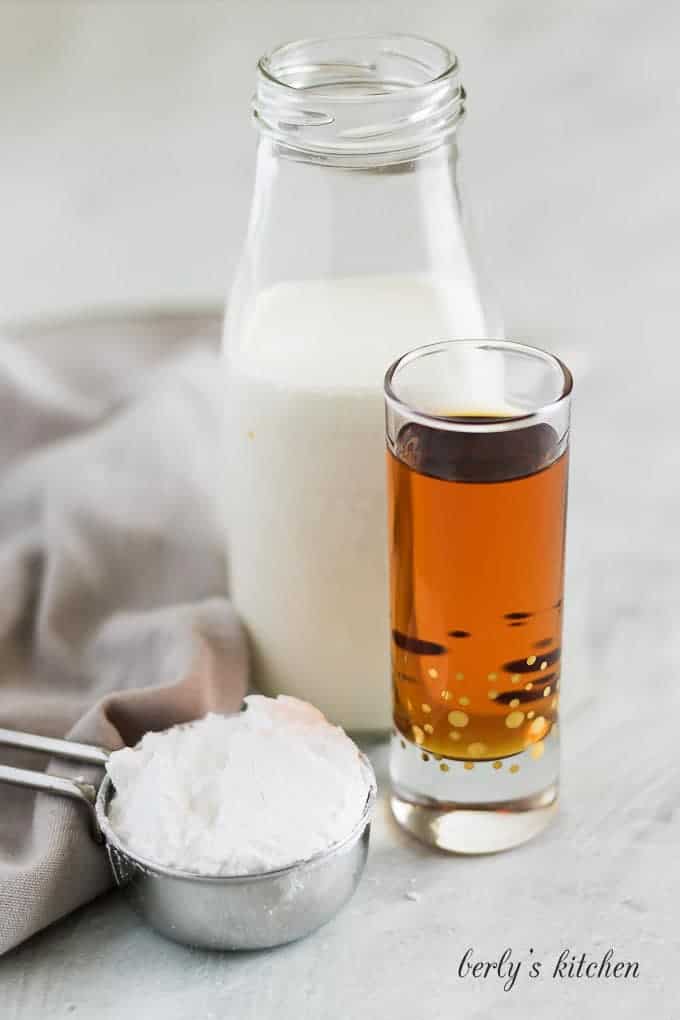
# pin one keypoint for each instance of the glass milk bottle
(355, 253)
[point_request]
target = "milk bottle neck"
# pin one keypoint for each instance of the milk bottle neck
(362, 101)
(357, 172)
(313, 220)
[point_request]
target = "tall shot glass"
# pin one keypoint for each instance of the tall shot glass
(477, 434)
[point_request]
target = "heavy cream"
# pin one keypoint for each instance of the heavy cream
(305, 477)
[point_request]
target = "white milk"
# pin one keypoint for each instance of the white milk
(306, 512)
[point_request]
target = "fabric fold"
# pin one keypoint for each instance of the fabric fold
(113, 611)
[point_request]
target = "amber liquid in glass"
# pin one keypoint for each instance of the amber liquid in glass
(476, 532)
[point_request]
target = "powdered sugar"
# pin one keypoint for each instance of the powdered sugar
(239, 794)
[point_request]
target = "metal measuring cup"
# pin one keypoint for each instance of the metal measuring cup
(214, 912)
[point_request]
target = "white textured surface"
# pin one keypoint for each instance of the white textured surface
(238, 794)
(572, 152)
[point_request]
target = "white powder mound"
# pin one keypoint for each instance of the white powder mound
(239, 794)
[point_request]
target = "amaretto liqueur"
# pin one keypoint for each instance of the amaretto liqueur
(477, 466)
(479, 680)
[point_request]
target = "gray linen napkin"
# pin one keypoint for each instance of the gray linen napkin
(113, 616)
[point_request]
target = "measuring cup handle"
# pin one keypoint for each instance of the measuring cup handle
(76, 789)
(89, 754)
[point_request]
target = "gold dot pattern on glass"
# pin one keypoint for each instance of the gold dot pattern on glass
(444, 767)
(498, 764)
(469, 765)
(537, 726)
(425, 756)
(538, 750)
(458, 719)
(514, 769)
(468, 726)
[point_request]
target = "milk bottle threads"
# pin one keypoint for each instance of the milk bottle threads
(355, 252)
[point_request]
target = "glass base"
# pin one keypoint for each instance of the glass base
(476, 829)
(474, 808)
